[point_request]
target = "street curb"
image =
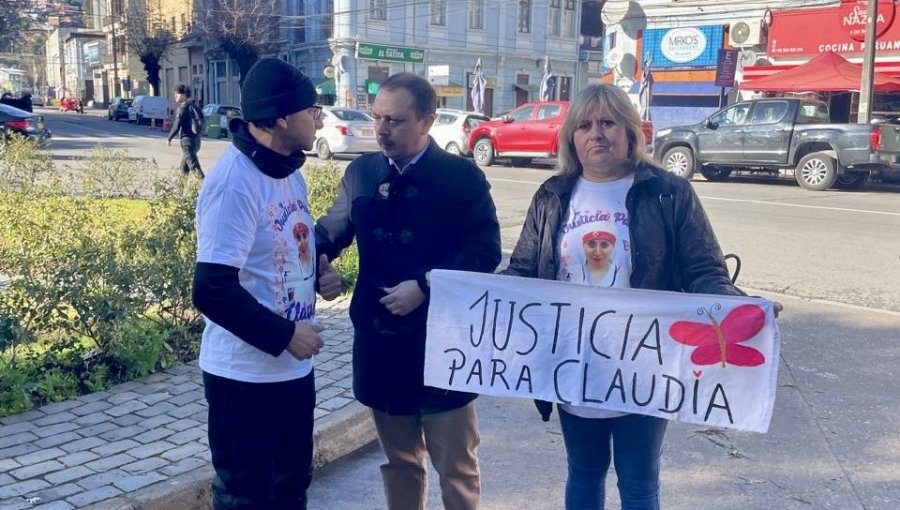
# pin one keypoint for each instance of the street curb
(336, 435)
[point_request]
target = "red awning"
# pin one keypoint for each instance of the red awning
(829, 72)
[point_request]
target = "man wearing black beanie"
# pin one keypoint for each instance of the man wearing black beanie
(259, 305)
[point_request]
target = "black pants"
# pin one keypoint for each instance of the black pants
(260, 437)
(190, 145)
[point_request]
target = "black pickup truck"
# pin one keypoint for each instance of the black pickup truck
(771, 135)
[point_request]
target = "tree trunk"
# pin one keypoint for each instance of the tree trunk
(244, 55)
(151, 65)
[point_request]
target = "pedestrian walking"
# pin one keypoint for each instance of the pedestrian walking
(412, 208)
(624, 242)
(187, 126)
(261, 333)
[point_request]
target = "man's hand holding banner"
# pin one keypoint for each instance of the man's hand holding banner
(696, 358)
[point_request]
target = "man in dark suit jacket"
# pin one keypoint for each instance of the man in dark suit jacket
(411, 208)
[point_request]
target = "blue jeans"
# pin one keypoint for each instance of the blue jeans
(636, 442)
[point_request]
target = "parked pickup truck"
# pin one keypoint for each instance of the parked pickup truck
(771, 135)
(529, 131)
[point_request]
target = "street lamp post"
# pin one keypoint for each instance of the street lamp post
(868, 74)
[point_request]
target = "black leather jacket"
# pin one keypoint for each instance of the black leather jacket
(697, 256)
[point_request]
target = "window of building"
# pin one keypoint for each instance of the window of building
(439, 12)
(568, 20)
(184, 27)
(377, 9)
(553, 16)
(524, 16)
(476, 14)
(565, 87)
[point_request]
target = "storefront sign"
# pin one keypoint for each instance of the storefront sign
(389, 53)
(685, 47)
(490, 82)
(448, 91)
(808, 32)
(853, 17)
(683, 44)
(726, 67)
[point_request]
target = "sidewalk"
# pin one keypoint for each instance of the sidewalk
(143, 444)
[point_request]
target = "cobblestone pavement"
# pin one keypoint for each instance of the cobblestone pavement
(103, 448)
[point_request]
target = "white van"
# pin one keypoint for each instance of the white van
(145, 108)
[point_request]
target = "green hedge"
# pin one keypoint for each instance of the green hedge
(95, 281)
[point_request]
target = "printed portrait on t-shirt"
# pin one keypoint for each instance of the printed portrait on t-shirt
(304, 257)
(594, 241)
(599, 269)
(293, 259)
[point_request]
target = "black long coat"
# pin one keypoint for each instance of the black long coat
(437, 214)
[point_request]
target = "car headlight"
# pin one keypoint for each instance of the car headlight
(663, 132)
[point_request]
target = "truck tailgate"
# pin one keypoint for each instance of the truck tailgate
(889, 146)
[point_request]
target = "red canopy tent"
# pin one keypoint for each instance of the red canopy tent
(829, 72)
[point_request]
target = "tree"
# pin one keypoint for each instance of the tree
(14, 22)
(243, 29)
(148, 37)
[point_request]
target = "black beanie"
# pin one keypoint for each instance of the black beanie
(273, 89)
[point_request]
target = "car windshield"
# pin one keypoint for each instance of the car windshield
(230, 111)
(351, 115)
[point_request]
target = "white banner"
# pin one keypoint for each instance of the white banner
(696, 358)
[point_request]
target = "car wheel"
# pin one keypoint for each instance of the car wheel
(520, 161)
(715, 173)
(679, 161)
(851, 180)
(322, 149)
(483, 152)
(816, 171)
(453, 148)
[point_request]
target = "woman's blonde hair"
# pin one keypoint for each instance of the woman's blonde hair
(618, 105)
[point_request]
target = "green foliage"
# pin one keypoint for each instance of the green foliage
(112, 173)
(22, 164)
(15, 22)
(93, 290)
(323, 182)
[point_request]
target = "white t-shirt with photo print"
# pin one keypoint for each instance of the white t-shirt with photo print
(246, 219)
(595, 247)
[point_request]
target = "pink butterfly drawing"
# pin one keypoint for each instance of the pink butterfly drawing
(720, 342)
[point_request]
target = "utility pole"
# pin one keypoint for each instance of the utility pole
(114, 20)
(868, 74)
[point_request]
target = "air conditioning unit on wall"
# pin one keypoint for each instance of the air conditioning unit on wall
(745, 32)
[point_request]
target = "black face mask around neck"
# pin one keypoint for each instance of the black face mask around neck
(266, 160)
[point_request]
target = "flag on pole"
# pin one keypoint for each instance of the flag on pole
(478, 84)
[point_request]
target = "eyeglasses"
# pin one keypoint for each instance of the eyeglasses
(317, 111)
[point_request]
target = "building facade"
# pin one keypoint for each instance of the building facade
(686, 42)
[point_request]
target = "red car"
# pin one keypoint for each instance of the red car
(69, 104)
(529, 131)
